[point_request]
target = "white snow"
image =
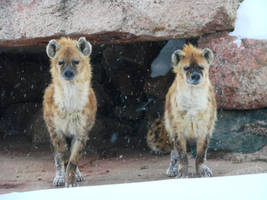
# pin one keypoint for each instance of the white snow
(244, 187)
(251, 20)
(161, 65)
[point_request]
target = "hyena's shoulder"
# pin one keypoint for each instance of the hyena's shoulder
(157, 138)
(91, 107)
(48, 99)
(48, 105)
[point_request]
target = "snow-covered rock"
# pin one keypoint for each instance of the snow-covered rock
(240, 68)
(251, 20)
(239, 73)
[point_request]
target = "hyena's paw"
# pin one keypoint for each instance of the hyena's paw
(71, 182)
(59, 180)
(172, 171)
(182, 171)
(75, 184)
(204, 171)
(79, 176)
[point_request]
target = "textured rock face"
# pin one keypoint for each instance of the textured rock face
(240, 131)
(29, 22)
(239, 74)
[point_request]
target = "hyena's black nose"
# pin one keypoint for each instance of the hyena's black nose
(195, 76)
(68, 74)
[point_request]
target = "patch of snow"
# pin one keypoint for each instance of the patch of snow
(161, 65)
(251, 20)
(244, 187)
(237, 42)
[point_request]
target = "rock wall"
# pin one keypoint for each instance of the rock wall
(29, 22)
(128, 98)
(239, 71)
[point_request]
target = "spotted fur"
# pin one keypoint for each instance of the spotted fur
(190, 109)
(157, 138)
(69, 106)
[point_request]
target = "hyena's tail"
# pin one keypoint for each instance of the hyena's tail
(157, 138)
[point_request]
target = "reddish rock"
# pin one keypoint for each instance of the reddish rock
(26, 23)
(239, 74)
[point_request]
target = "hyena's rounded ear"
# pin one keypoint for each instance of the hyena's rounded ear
(177, 56)
(208, 55)
(52, 48)
(84, 46)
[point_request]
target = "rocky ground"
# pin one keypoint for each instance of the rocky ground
(25, 168)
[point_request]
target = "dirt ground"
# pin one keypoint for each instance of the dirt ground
(26, 168)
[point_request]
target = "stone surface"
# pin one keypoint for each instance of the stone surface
(238, 73)
(37, 130)
(159, 86)
(23, 78)
(109, 133)
(16, 118)
(240, 131)
(28, 23)
(162, 64)
(24, 168)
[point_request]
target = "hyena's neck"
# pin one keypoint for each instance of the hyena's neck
(190, 98)
(71, 97)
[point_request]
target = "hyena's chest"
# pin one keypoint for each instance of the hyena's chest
(70, 123)
(191, 111)
(69, 118)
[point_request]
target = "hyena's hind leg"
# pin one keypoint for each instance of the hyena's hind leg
(76, 152)
(202, 146)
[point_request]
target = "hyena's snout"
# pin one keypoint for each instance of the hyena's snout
(194, 75)
(68, 73)
(195, 78)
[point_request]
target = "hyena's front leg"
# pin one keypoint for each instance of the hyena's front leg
(201, 169)
(60, 151)
(76, 152)
(173, 168)
(59, 179)
(180, 146)
(179, 162)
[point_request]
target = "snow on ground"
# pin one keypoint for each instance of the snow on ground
(244, 187)
(251, 20)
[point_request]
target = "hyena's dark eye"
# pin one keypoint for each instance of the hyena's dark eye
(201, 68)
(61, 62)
(75, 62)
(186, 68)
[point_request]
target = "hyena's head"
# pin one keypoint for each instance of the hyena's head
(192, 64)
(69, 58)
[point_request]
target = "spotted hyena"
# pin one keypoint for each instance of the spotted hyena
(190, 109)
(69, 106)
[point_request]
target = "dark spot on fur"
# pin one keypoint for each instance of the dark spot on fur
(160, 140)
(68, 141)
(158, 123)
